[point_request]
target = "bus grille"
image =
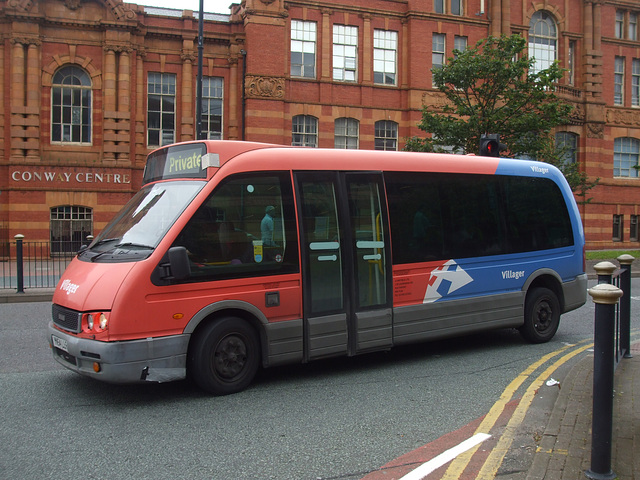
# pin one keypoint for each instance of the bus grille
(66, 319)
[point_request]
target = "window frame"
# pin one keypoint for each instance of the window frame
(438, 40)
(626, 155)
(617, 235)
(342, 138)
(71, 83)
(62, 216)
(382, 142)
(544, 42)
(385, 46)
(618, 80)
(340, 55)
(635, 82)
(308, 132)
(304, 36)
(633, 228)
(165, 91)
(215, 103)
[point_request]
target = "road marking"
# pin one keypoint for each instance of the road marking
(426, 468)
(458, 466)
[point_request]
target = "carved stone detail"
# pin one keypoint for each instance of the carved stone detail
(595, 130)
(264, 87)
(623, 117)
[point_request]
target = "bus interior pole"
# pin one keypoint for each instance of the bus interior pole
(199, 76)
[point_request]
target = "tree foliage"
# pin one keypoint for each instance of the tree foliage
(493, 88)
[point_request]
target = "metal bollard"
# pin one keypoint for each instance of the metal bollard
(605, 296)
(20, 262)
(625, 304)
(605, 271)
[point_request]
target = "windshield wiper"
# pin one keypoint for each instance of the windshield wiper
(136, 245)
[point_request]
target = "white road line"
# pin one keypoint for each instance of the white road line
(426, 468)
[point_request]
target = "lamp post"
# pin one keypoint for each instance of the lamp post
(199, 76)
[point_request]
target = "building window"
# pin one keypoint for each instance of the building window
(303, 49)
(633, 26)
(71, 106)
(567, 142)
(438, 52)
(454, 6)
(618, 224)
(542, 40)
(618, 81)
(385, 46)
(633, 228)
(212, 97)
(304, 131)
(161, 109)
(460, 43)
(345, 53)
(619, 24)
(386, 135)
(69, 228)
(626, 151)
(346, 133)
(635, 83)
(571, 62)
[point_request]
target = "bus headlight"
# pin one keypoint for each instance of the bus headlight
(95, 322)
(103, 322)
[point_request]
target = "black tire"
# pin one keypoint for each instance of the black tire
(541, 315)
(224, 356)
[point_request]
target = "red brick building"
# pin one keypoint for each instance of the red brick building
(89, 87)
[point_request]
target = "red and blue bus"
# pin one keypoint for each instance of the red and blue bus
(236, 256)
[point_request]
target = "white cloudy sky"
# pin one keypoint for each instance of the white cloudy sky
(209, 6)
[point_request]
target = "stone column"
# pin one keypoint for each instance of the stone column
(17, 99)
(187, 125)
(32, 112)
(110, 104)
(123, 137)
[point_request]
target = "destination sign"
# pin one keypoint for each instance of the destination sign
(179, 161)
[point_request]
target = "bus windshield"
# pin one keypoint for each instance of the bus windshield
(143, 221)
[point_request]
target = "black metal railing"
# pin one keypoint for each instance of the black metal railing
(28, 265)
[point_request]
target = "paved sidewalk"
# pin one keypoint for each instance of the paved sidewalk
(564, 452)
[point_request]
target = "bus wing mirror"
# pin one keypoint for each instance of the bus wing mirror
(179, 263)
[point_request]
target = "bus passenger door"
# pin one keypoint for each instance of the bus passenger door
(345, 263)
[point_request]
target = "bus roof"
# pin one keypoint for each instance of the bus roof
(254, 156)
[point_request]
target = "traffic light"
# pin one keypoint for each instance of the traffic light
(490, 145)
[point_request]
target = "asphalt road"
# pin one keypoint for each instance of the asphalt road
(334, 419)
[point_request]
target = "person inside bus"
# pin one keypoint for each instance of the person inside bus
(266, 227)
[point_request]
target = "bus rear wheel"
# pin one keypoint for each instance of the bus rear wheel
(225, 356)
(541, 315)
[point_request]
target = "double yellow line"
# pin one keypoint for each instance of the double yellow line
(495, 458)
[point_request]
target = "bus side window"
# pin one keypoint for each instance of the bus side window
(245, 228)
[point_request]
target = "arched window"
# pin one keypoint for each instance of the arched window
(543, 38)
(386, 135)
(304, 131)
(70, 226)
(626, 152)
(71, 106)
(346, 133)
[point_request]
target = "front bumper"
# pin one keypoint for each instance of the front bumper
(156, 359)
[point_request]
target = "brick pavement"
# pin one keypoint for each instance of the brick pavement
(564, 451)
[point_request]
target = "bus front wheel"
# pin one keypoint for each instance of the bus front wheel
(224, 356)
(541, 315)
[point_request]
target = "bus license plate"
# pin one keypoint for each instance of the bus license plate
(60, 343)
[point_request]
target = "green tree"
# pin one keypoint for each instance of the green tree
(493, 88)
